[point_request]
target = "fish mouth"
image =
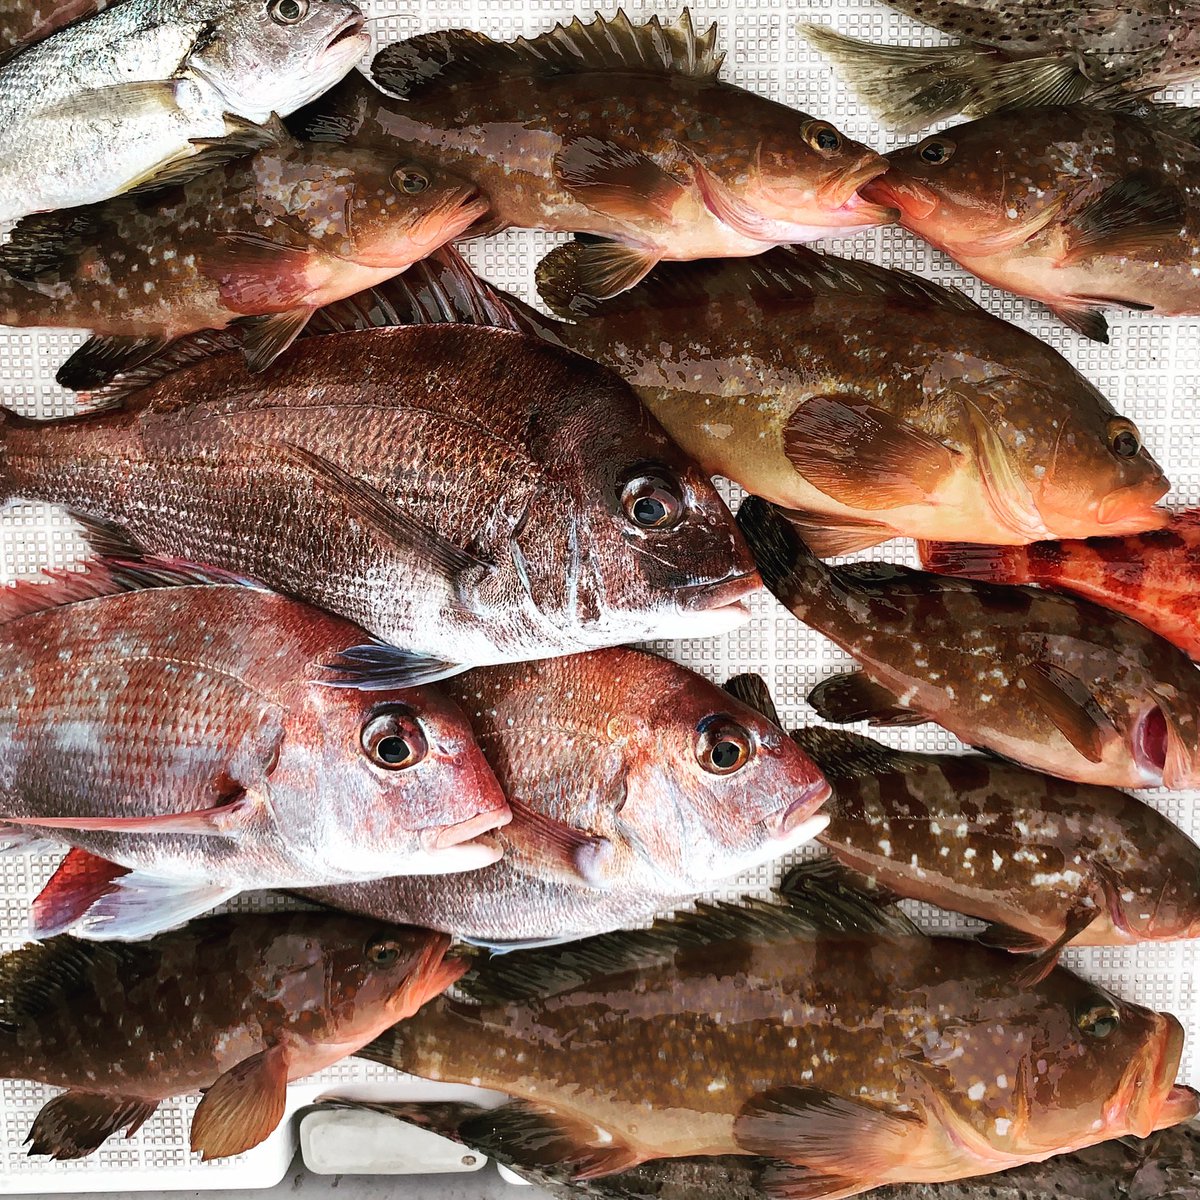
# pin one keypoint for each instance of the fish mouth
(847, 189)
(349, 29)
(1148, 1097)
(446, 837)
(464, 846)
(1132, 509)
(431, 975)
(730, 594)
(911, 199)
(799, 822)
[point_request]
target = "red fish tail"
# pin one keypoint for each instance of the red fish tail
(969, 560)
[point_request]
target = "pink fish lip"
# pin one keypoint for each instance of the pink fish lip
(443, 837)
(810, 797)
(726, 593)
(911, 199)
(1133, 509)
(850, 198)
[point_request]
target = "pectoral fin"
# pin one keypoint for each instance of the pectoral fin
(1070, 705)
(862, 456)
(75, 1123)
(1137, 214)
(573, 854)
(243, 1107)
(826, 1132)
(854, 697)
(617, 180)
(828, 536)
(257, 274)
(221, 820)
(265, 338)
(1045, 954)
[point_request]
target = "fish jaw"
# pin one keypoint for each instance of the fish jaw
(433, 974)
(1134, 509)
(1147, 1097)
(910, 200)
(710, 609)
(850, 205)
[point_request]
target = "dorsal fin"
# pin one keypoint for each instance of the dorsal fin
(45, 975)
(752, 691)
(455, 56)
(819, 902)
(844, 755)
(786, 274)
(103, 577)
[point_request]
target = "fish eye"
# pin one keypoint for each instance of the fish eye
(1123, 438)
(288, 12)
(936, 151)
(652, 501)
(822, 136)
(393, 739)
(723, 746)
(383, 952)
(1098, 1020)
(410, 180)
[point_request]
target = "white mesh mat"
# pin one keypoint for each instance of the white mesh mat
(1151, 373)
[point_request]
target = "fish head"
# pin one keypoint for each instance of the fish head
(977, 188)
(403, 787)
(273, 56)
(398, 210)
(624, 532)
(1166, 738)
(712, 787)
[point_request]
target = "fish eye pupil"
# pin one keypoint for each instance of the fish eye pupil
(725, 754)
(649, 511)
(827, 139)
(393, 749)
(1099, 1022)
(288, 12)
(935, 152)
(413, 182)
(652, 502)
(1126, 444)
(383, 954)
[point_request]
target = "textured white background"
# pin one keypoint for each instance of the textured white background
(1151, 372)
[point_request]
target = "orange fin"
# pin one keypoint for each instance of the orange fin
(1136, 214)
(830, 536)
(75, 1124)
(255, 274)
(243, 1107)
(853, 697)
(788, 1181)
(861, 455)
(1068, 702)
(80, 880)
(826, 1131)
(616, 179)
(575, 853)
(591, 271)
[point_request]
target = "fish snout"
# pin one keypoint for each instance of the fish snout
(1133, 509)
(352, 29)
(721, 599)
(1148, 1097)
(432, 973)
(800, 822)
(912, 200)
(846, 191)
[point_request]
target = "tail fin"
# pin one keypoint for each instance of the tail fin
(1000, 564)
(910, 87)
(789, 568)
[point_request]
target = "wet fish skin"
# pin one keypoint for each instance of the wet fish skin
(1165, 1166)
(1095, 209)
(23, 21)
(1048, 680)
(602, 1039)
(626, 133)
(112, 101)
(261, 241)
(619, 808)
(470, 495)
(182, 731)
(1019, 54)
(1060, 862)
(1153, 577)
(239, 1004)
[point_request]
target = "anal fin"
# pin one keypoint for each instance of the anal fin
(75, 1124)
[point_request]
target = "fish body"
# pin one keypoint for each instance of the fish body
(109, 102)
(869, 402)
(1048, 680)
(1018, 54)
(1079, 208)
(855, 1058)
(623, 132)
(1047, 861)
(635, 783)
(1165, 1166)
(23, 21)
(184, 735)
(235, 1005)
(470, 495)
(1153, 577)
(261, 241)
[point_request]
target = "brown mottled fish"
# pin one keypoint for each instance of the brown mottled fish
(1046, 679)
(1165, 1166)
(712, 1034)
(635, 784)
(1046, 861)
(1080, 208)
(621, 131)
(1153, 577)
(469, 496)
(26, 21)
(260, 242)
(236, 1006)
(1018, 54)
(175, 730)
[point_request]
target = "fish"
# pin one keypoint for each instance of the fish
(1165, 1166)
(259, 242)
(467, 496)
(174, 730)
(1018, 54)
(623, 132)
(1153, 577)
(236, 1006)
(26, 21)
(1048, 680)
(1079, 208)
(155, 91)
(1046, 862)
(959, 427)
(635, 784)
(712, 1034)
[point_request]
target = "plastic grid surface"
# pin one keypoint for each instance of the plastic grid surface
(1151, 372)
